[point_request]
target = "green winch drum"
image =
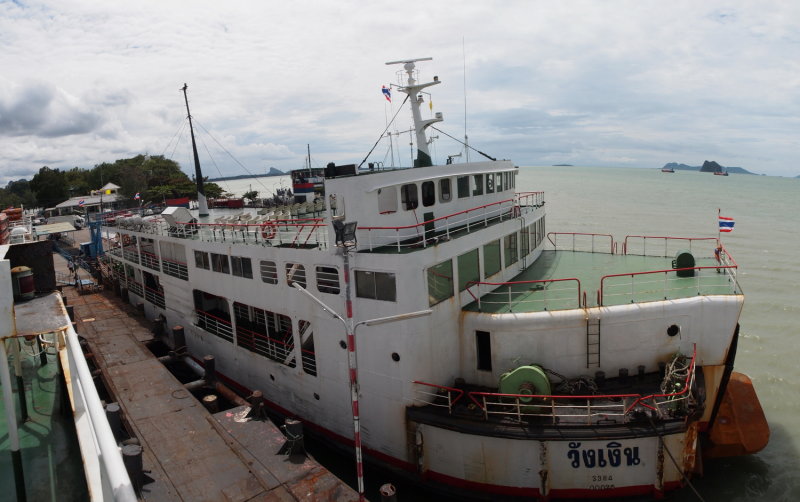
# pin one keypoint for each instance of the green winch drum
(526, 380)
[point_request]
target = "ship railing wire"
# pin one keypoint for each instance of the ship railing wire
(596, 409)
(550, 294)
(150, 260)
(262, 344)
(577, 241)
(652, 245)
(302, 232)
(657, 285)
(154, 296)
(135, 287)
(429, 232)
(215, 325)
(175, 268)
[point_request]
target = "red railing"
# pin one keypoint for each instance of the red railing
(175, 268)
(215, 325)
(262, 344)
(518, 290)
(150, 260)
(154, 296)
(564, 409)
(575, 240)
(667, 240)
(293, 232)
(700, 281)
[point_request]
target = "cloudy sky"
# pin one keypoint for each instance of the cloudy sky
(594, 83)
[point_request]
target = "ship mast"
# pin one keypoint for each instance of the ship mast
(413, 90)
(202, 204)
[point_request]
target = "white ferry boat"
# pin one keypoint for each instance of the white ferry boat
(494, 358)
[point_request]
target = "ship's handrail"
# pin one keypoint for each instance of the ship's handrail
(667, 240)
(215, 325)
(421, 234)
(730, 287)
(115, 484)
(270, 232)
(154, 296)
(515, 289)
(593, 409)
(576, 235)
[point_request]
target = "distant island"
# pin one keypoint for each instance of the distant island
(272, 172)
(707, 167)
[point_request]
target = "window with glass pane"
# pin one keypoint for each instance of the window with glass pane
(468, 269)
(428, 193)
(463, 186)
(201, 260)
(241, 267)
(510, 249)
(375, 285)
(491, 258)
(490, 183)
(408, 196)
(477, 188)
(328, 280)
(440, 282)
(219, 263)
(444, 190)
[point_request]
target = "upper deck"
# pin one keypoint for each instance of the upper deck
(591, 270)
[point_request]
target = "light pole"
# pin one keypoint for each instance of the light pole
(350, 329)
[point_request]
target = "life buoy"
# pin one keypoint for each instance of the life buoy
(268, 230)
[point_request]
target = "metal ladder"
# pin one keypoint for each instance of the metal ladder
(592, 342)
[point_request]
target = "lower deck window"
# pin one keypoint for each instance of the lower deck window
(376, 285)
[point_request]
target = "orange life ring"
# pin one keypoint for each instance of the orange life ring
(268, 230)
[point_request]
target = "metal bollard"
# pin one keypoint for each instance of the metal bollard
(388, 493)
(132, 458)
(113, 416)
(294, 437)
(210, 373)
(211, 403)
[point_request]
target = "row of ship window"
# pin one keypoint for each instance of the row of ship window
(369, 284)
(411, 194)
(441, 283)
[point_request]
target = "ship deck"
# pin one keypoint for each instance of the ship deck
(564, 279)
(51, 458)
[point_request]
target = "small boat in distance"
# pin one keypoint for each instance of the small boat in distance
(720, 173)
(667, 170)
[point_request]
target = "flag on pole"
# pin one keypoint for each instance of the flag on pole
(387, 93)
(137, 196)
(81, 202)
(726, 224)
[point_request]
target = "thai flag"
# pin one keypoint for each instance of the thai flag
(81, 202)
(137, 196)
(725, 224)
(387, 93)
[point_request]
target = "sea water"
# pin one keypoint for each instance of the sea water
(765, 244)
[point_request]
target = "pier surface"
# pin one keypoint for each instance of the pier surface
(189, 453)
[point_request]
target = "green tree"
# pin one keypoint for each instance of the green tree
(49, 186)
(252, 195)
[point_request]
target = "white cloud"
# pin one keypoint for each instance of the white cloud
(629, 83)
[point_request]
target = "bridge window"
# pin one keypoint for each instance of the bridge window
(269, 272)
(510, 249)
(463, 186)
(328, 280)
(376, 285)
(219, 263)
(201, 260)
(440, 282)
(490, 183)
(444, 190)
(491, 258)
(241, 267)
(477, 187)
(295, 273)
(506, 180)
(409, 197)
(499, 182)
(468, 269)
(428, 193)
(525, 246)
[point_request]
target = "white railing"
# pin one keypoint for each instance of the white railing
(175, 269)
(105, 471)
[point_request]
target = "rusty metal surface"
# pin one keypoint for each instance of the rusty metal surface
(44, 314)
(189, 454)
(303, 477)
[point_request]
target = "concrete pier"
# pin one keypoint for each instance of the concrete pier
(189, 453)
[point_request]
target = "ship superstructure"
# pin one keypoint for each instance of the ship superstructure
(550, 364)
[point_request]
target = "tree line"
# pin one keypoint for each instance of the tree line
(155, 178)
